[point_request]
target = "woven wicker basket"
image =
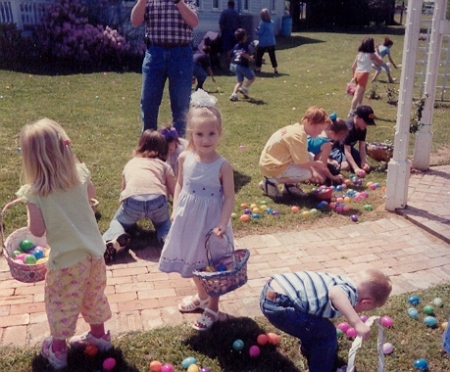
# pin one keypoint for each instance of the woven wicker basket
(380, 151)
(217, 283)
(21, 272)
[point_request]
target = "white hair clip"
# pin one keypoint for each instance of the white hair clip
(202, 99)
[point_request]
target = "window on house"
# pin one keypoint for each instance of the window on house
(215, 4)
(198, 4)
(273, 6)
(246, 5)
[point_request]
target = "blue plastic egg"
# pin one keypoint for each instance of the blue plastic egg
(421, 364)
(269, 210)
(255, 216)
(238, 345)
(414, 300)
(188, 361)
(413, 313)
(430, 321)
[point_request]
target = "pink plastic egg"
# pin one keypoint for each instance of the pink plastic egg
(351, 332)
(343, 327)
(109, 364)
(167, 368)
(387, 321)
(254, 351)
(388, 348)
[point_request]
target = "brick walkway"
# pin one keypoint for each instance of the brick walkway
(141, 297)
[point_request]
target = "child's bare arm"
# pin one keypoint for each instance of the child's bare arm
(227, 178)
(36, 223)
(390, 59)
(341, 302)
(91, 191)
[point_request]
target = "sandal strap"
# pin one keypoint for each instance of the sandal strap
(205, 322)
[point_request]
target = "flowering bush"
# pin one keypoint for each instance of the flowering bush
(65, 34)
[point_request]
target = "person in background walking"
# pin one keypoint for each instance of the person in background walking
(266, 34)
(229, 23)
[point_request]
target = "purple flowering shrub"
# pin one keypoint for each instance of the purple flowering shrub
(66, 35)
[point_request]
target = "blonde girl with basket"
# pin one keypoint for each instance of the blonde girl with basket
(203, 201)
(57, 191)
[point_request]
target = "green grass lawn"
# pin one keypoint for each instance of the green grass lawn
(100, 112)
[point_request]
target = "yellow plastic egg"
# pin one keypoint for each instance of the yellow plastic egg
(253, 205)
(42, 260)
(306, 214)
(346, 199)
(263, 207)
(444, 325)
(255, 210)
(193, 368)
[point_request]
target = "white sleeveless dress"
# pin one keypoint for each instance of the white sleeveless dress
(198, 210)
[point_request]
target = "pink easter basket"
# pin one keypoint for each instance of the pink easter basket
(21, 272)
(351, 88)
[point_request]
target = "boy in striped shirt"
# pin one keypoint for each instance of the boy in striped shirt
(302, 303)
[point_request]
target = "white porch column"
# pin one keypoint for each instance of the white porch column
(399, 166)
(16, 13)
(424, 136)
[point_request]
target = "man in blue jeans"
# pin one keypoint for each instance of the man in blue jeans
(169, 32)
(301, 303)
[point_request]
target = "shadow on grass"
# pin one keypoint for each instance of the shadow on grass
(294, 41)
(240, 180)
(220, 348)
(78, 361)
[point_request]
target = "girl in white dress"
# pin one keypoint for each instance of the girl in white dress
(203, 201)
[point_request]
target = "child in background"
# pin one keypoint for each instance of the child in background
(176, 145)
(204, 200)
(384, 50)
(320, 147)
(267, 42)
(361, 70)
(285, 158)
(301, 304)
(202, 66)
(57, 192)
(240, 65)
(147, 182)
(345, 154)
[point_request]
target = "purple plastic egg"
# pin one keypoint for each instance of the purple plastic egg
(388, 348)
(354, 218)
(205, 369)
(364, 318)
(275, 213)
(254, 351)
(109, 364)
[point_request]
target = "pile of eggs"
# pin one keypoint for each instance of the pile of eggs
(30, 254)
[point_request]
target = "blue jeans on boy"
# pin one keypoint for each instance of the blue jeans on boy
(200, 74)
(317, 335)
(153, 207)
(160, 64)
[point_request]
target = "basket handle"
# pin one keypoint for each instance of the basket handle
(5, 208)
(358, 342)
(208, 250)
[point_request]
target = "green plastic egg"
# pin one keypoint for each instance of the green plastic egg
(25, 245)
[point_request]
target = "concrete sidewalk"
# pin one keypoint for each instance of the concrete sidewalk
(414, 251)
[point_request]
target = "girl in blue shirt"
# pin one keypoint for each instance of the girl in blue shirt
(266, 34)
(384, 50)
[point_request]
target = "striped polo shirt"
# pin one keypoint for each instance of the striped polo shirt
(309, 291)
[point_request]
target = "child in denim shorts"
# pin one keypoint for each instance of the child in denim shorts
(240, 65)
(301, 303)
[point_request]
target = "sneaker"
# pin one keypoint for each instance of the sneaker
(234, 97)
(293, 189)
(244, 91)
(102, 344)
(269, 188)
(110, 252)
(122, 241)
(56, 359)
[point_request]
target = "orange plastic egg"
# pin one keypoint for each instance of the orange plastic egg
(244, 218)
(294, 209)
(155, 366)
(244, 205)
(273, 338)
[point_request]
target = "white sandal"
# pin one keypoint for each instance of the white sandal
(206, 320)
(189, 304)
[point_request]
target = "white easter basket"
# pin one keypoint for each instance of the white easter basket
(358, 343)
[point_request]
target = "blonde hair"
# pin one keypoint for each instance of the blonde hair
(48, 162)
(375, 284)
(265, 15)
(198, 113)
(316, 115)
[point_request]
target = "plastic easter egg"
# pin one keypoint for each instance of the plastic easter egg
(363, 318)
(263, 207)
(368, 207)
(91, 350)
(332, 205)
(388, 348)
(188, 361)
(346, 208)
(38, 253)
(421, 364)
(346, 199)
(313, 211)
(361, 174)
(438, 302)
(387, 321)
(347, 182)
(275, 213)
(354, 218)
(306, 214)
(247, 211)
(273, 338)
(30, 259)
(193, 368)
(343, 327)
(244, 205)
(444, 326)
(255, 216)
(368, 184)
(155, 366)
(238, 345)
(244, 218)
(413, 313)
(414, 300)
(339, 333)
(16, 253)
(253, 205)
(233, 215)
(21, 257)
(372, 187)
(262, 339)
(263, 202)
(428, 309)
(338, 209)
(167, 368)
(205, 369)
(430, 321)
(339, 200)
(295, 209)
(25, 245)
(41, 260)
(254, 351)
(351, 332)
(109, 364)
(269, 210)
